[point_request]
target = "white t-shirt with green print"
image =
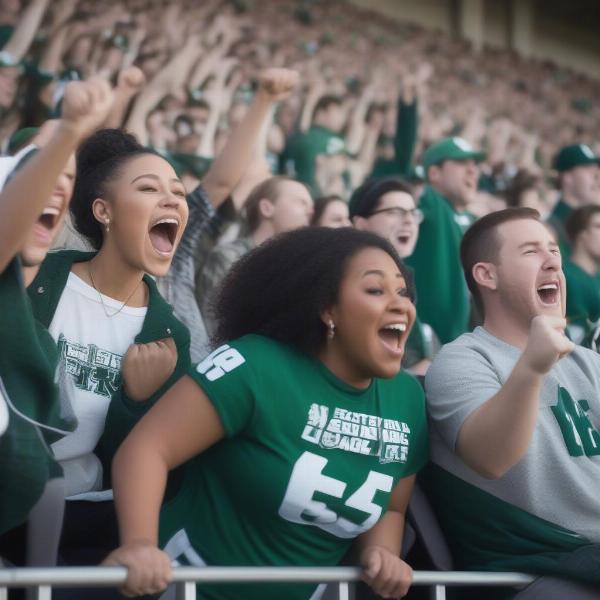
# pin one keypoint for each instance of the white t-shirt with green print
(91, 346)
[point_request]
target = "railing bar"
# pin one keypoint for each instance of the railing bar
(185, 590)
(343, 591)
(112, 576)
(439, 592)
(3, 593)
(43, 592)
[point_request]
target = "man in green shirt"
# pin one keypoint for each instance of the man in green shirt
(583, 286)
(321, 149)
(579, 183)
(452, 174)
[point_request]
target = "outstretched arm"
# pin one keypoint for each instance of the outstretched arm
(85, 107)
(384, 570)
(181, 425)
(235, 158)
(22, 37)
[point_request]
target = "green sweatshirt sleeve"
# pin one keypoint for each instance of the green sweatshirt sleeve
(406, 136)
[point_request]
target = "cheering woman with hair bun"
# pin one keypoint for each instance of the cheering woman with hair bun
(116, 335)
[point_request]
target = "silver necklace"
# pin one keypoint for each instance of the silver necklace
(106, 312)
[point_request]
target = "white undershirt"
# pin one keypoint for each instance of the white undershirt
(91, 346)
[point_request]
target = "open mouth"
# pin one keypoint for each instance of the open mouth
(391, 336)
(548, 293)
(49, 218)
(163, 235)
(403, 238)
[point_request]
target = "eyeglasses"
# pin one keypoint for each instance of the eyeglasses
(403, 213)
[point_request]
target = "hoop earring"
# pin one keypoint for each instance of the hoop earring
(331, 330)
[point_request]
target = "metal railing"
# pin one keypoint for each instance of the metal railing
(43, 579)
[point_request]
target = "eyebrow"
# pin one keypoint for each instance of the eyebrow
(551, 244)
(378, 272)
(156, 177)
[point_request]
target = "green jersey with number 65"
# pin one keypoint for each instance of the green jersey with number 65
(307, 464)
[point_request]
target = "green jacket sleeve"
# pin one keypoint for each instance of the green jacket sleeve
(406, 136)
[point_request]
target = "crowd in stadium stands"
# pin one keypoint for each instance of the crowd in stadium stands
(235, 236)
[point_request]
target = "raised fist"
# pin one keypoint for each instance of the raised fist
(547, 343)
(86, 105)
(131, 80)
(146, 367)
(278, 83)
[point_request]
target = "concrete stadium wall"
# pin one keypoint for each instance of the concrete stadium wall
(517, 24)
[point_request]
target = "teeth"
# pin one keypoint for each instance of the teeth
(548, 286)
(175, 221)
(396, 327)
(51, 211)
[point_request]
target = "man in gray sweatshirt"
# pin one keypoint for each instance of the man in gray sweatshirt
(515, 417)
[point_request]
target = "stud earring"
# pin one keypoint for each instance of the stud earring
(331, 329)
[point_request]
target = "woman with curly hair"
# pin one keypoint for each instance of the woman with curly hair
(304, 433)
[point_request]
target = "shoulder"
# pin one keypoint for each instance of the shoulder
(406, 389)
(459, 357)
(64, 258)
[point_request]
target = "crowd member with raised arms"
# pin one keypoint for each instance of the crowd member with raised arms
(452, 173)
(116, 336)
(303, 399)
(579, 184)
(386, 206)
(581, 274)
(183, 285)
(515, 415)
(29, 403)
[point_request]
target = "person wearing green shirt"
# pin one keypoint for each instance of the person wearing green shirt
(581, 274)
(452, 174)
(319, 150)
(30, 416)
(301, 432)
(579, 182)
(386, 206)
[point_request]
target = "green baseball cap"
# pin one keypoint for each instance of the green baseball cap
(450, 148)
(573, 156)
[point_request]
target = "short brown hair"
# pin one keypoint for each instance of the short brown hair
(269, 190)
(481, 244)
(580, 219)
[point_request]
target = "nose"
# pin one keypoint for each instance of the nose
(553, 261)
(171, 200)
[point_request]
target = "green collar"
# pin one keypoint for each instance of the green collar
(47, 288)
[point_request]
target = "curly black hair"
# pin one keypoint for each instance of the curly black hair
(99, 159)
(280, 288)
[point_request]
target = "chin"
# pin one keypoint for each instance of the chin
(33, 257)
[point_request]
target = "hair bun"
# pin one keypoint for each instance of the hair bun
(104, 145)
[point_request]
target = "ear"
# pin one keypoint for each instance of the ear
(328, 314)
(101, 210)
(433, 174)
(266, 208)
(485, 275)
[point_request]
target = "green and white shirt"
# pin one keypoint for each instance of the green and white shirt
(547, 505)
(308, 464)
